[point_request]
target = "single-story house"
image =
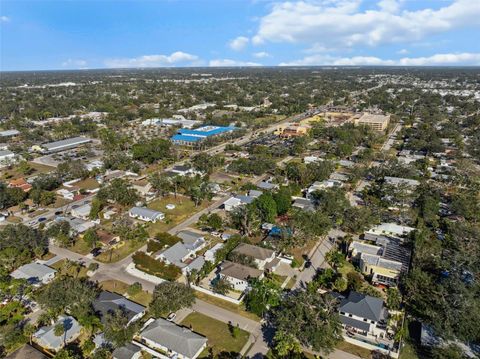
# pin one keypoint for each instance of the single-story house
(167, 337)
(363, 315)
(196, 264)
(108, 302)
(210, 254)
(77, 225)
(261, 255)
(82, 212)
(182, 170)
(34, 273)
(303, 204)
(46, 338)
(267, 185)
(128, 351)
(175, 254)
(193, 241)
(26, 352)
(146, 214)
(66, 194)
(6, 157)
(231, 203)
(238, 274)
(20, 183)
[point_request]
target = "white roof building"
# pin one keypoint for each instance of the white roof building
(34, 273)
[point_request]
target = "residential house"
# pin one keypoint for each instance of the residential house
(45, 336)
(182, 170)
(167, 337)
(363, 315)
(261, 255)
(267, 186)
(20, 183)
(128, 351)
(196, 265)
(303, 204)
(77, 225)
(6, 157)
(146, 214)
(210, 254)
(391, 229)
(144, 188)
(397, 181)
(193, 241)
(176, 254)
(108, 302)
(66, 194)
(384, 261)
(238, 275)
(34, 273)
(82, 212)
(232, 203)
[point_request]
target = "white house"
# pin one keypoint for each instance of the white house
(238, 275)
(34, 273)
(210, 254)
(146, 214)
(391, 229)
(82, 212)
(6, 157)
(46, 338)
(166, 337)
(193, 241)
(231, 203)
(363, 315)
(261, 256)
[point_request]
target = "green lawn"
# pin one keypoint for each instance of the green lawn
(64, 269)
(237, 309)
(353, 349)
(408, 352)
(218, 333)
(184, 208)
(116, 286)
(80, 247)
(120, 251)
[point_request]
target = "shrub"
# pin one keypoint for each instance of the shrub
(166, 239)
(155, 267)
(154, 246)
(135, 288)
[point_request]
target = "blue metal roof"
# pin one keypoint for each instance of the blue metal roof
(214, 131)
(186, 138)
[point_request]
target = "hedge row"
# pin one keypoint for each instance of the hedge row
(155, 267)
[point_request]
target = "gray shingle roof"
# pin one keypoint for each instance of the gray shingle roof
(176, 338)
(109, 302)
(176, 253)
(63, 144)
(26, 352)
(146, 213)
(126, 352)
(355, 323)
(239, 271)
(32, 271)
(363, 306)
(254, 251)
(45, 336)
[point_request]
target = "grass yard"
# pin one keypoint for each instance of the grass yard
(64, 268)
(353, 349)
(87, 184)
(218, 333)
(120, 251)
(408, 352)
(238, 309)
(184, 208)
(144, 298)
(298, 252)
(80, 247)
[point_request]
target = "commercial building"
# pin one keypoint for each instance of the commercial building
(188, 137)
(291, 130)
(170, 122)
(376, 122)
(63, 145)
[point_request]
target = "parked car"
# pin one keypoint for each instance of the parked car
(96, 252)
(171, 317)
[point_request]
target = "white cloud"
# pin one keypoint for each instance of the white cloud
(342, 23)
(231, 63)
(434, 60)
(403, 52)
(239, 43)
(4, 18)
(75, 64)
(174, 59)
(261, 55)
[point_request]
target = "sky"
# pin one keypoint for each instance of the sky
(89, 34)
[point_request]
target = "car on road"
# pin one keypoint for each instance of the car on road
(308, 263)
(57, 213)
(171, 317)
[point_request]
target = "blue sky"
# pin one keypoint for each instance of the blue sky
(61, 34)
